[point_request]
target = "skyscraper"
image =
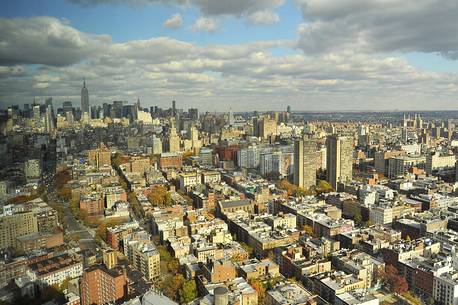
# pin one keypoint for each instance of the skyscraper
(231, 118)
(174, 108)
(305, 162)
(339, 159)
(84, 99)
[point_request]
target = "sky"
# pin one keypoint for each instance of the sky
(315, 55)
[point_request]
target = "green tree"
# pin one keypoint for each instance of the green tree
(324, 187)
(188, 291)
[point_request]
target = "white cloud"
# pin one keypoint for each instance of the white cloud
(203, 24)
(265, 17)
(428, 26)
(45, 40)
(174, 22)
(247, 76)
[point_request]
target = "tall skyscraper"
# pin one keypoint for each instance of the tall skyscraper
(174, 140)
(339, 159)
(84, 99)
(305, 162)
(174, 108)
(231, 118)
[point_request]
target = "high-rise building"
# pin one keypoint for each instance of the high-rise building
(156, 145)
(305, 162)
(174, 108)
(339, 159)
(174, 140)
(36, 113)
(267, 127)
(16, 225)
(84, 99)
(193, 113)
(100, 285)
(231, 118)
(67, 107)
(49, 120)
(32, 169)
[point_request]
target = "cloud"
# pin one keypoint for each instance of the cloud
(427, 26)
(247, 76)
(265, 17)
(174, 22)
(45, 40)
(208, 7)
(235, 7)
(203, 24)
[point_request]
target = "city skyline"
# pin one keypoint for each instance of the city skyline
(316, 55)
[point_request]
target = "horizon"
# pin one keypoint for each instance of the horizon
(317, 55)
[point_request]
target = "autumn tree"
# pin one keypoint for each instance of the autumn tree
(287, 186)
(159, 196)
(393, 280)
(308, 230)
(260, 289)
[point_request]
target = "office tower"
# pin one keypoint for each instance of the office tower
(69, 117)
(67, 107)
(363, 137)
(36, 113)
(48, 102)
(84, 99)
(288, 109)
(100, 285)
(26, 111)
(116, 110)
(49, 120)
(339, 159)
(231, 118)
(193, 114)
(305, 162)
(174, 108)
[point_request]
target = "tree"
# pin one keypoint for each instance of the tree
(260, 289)
(308, 230)
(172, 285)
(324, 187)
(188, 291)
(300, 192)
(394, 281)
(287, 186)
(247, 248)
(159, 196)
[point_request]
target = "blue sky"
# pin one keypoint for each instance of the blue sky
(317, 54)
(124, 22)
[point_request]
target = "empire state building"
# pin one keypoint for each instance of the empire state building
(84, 99)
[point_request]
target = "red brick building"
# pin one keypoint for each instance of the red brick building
(100, 285)
(92, 205)
(170, 160)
